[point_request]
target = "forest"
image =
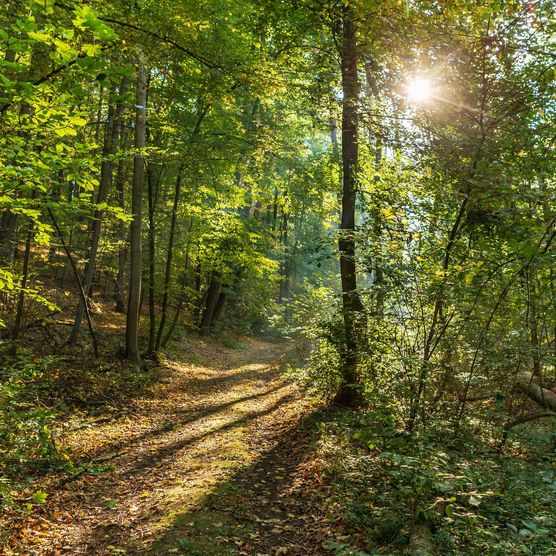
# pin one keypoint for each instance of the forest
(277, 277)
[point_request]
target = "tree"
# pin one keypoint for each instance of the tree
(134, 295)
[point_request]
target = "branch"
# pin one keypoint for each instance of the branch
(528, 417)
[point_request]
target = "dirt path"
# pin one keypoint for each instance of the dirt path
(213, 463)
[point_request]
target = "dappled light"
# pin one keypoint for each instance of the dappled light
(277, 278)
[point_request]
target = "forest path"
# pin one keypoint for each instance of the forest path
(215, 462)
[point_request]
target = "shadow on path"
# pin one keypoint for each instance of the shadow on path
(263, 509)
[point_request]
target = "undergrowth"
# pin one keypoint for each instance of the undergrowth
(474, 497)
(40, 397)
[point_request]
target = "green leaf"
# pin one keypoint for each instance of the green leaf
(40, 497)
(111, 504)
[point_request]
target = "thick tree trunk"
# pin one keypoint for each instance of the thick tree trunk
(104, 186)
(134, 297)
(169, 254)
(219, 308)
(349, 394)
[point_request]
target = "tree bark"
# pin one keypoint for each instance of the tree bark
(349, 394)
(210, 305)
(182, 294)
(218, 308)
(544, 397)
(134, 297)
(284, 278)
(23, 284)
(104, 186)
(121, 179)
(73, 266)
(152, 254)
(169, 254)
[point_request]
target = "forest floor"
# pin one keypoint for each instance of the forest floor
(216, 459)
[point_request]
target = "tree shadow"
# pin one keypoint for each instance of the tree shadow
(181, 418)
(254, 499)
(264, 508)
(156, 456)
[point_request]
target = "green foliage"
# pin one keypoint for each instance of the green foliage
(27, 430)
(234, 343)
(474, 498)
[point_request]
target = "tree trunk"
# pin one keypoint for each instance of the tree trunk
(179, 307)
(104, 186)
(134, 297)
(284, 278)
(218, 308)
(349, 394)
(73, 266)
(122, 250)
(169, 253)
(210, 305)
(7, 236)
(199, 298)
(182, 294)
(543, 396)
(152, 254)
(121, 179)
(23, 284)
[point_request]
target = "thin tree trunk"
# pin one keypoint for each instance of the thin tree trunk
(183, 284)
(134, 297)
(120, 188)
(77, 281)
(284, 279)
(275, 210)
(179, 307)
(169, 254)
(104, 186)
(199, 298)
(533, 326)
(23, 284)
(152, 255)
(122, 250)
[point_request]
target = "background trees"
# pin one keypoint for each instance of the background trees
(254, 114)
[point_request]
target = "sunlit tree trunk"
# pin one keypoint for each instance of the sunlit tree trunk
(134, 298)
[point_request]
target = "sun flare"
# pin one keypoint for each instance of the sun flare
(419, 89)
